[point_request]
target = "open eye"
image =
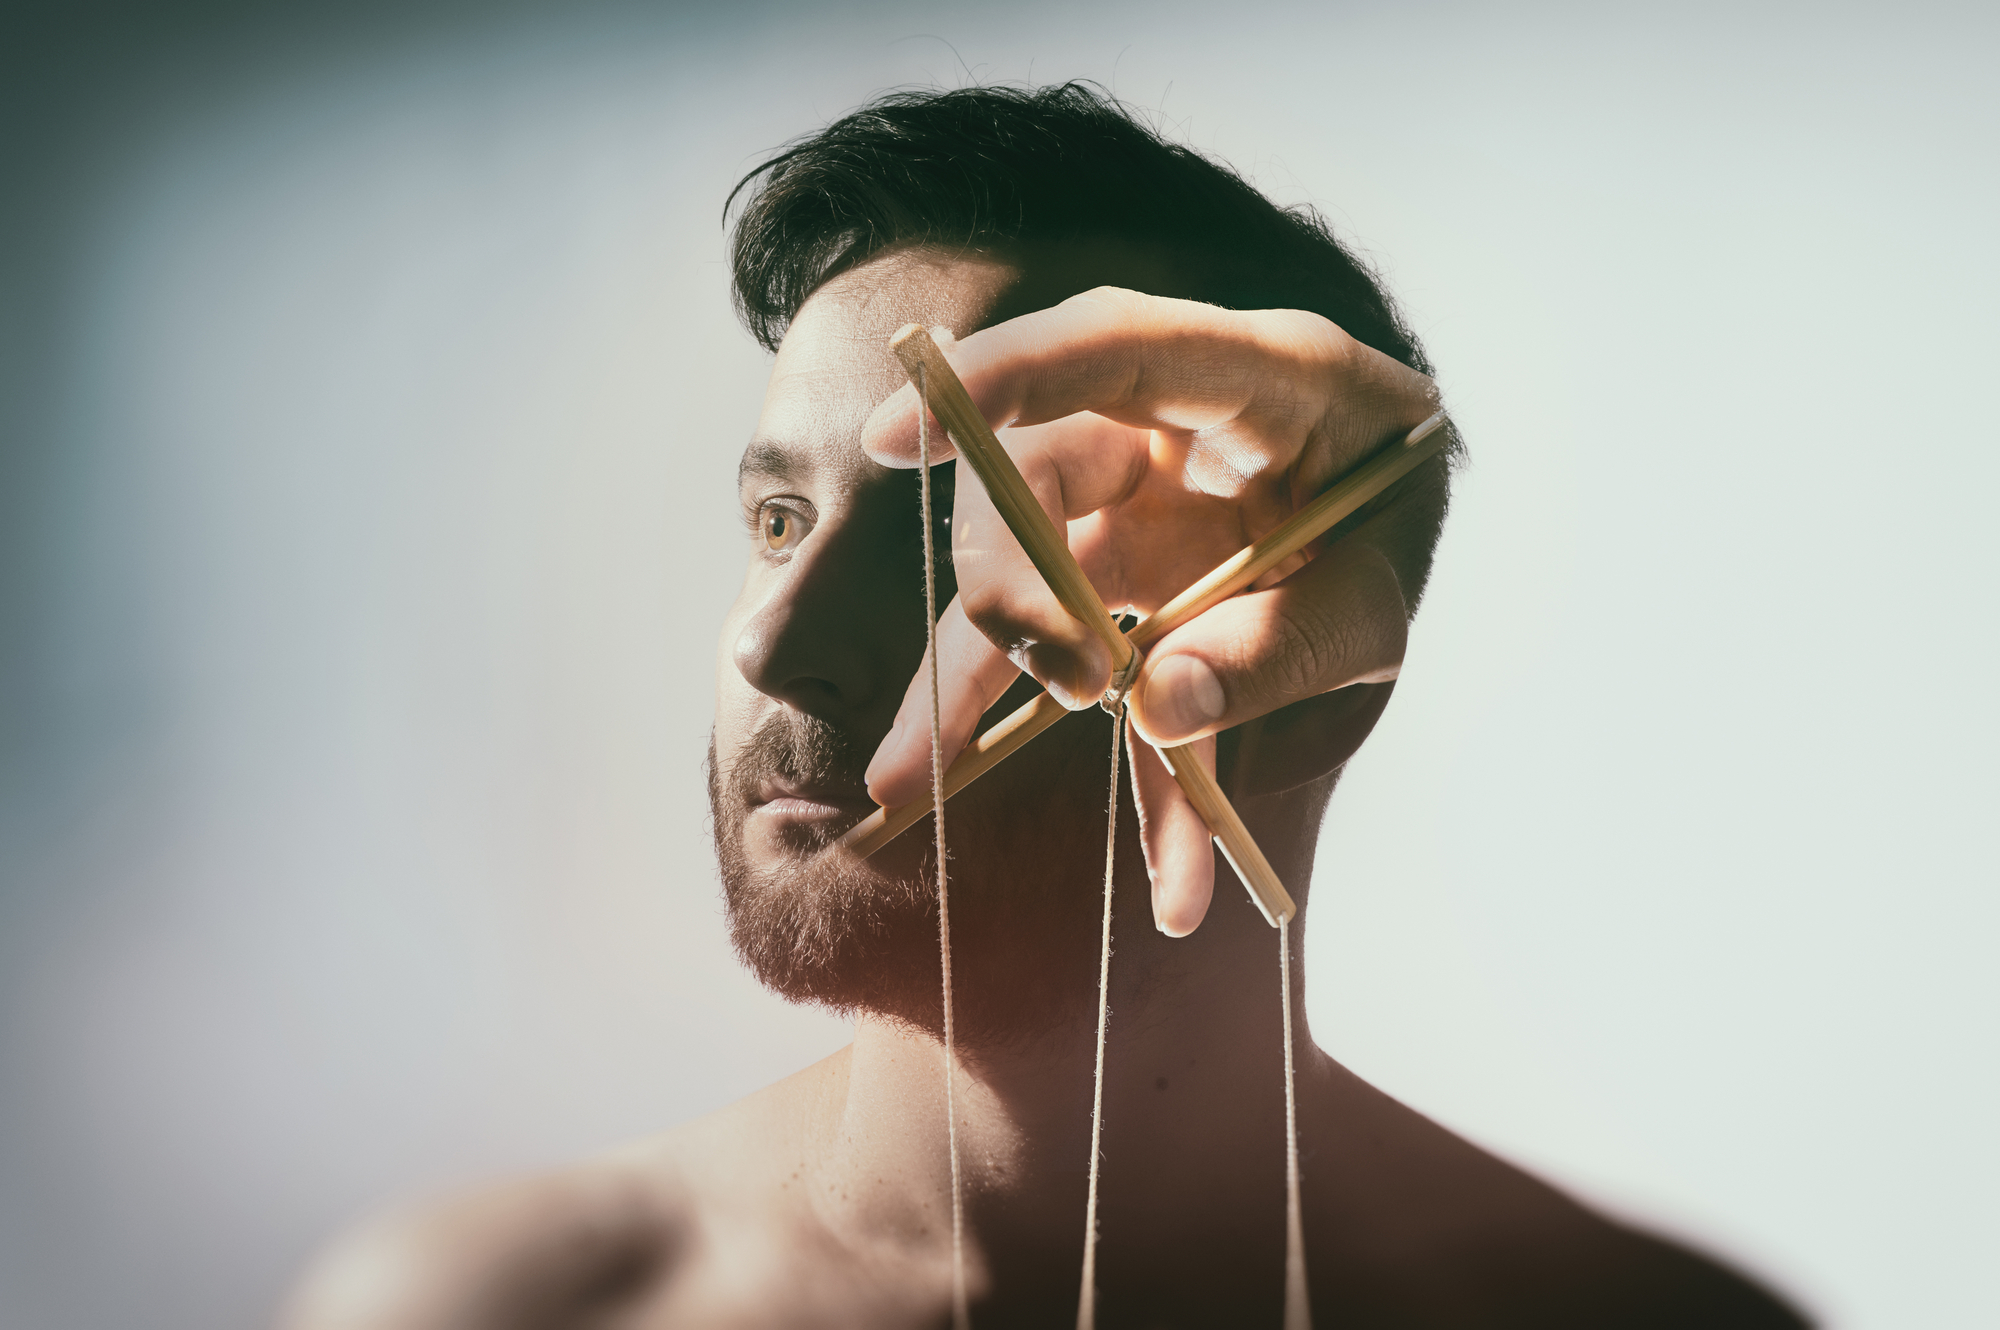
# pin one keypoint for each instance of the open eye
(781, 528)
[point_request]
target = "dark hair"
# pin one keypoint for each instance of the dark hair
(1010, 169)
(1063, 172)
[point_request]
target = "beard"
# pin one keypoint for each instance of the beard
(815, 925)
(818, 926)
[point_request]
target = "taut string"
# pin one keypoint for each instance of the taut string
(961, 1314)
(1298, 1310)
(1031, 524)
(1086, 1302)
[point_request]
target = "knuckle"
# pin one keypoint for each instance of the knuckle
(1116, 302)
(1312, 339)
(1007, 613)
(1318, 643)
(1120, 296)
(1309, 650)
(993, 612)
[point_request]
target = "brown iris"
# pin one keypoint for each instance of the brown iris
(782, 528)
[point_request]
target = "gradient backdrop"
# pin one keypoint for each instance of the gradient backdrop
(371, 405)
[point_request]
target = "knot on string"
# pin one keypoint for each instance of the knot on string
(1121, 683)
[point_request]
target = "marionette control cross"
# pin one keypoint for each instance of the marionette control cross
(1049, 552)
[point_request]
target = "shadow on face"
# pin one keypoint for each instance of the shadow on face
(815, 658)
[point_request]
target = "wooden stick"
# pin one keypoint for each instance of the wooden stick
(1371, 477)
(983, 754)
(1046, 546)
(1375, 473)
(1242, 851)
(1049, 551)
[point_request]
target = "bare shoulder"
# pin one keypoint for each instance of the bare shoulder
(519, 1253)
(563, 1248)
(1433, 1230)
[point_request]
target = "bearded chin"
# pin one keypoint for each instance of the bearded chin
(820, 927)
(817, 926)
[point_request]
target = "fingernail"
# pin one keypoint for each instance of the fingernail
(1182, 696)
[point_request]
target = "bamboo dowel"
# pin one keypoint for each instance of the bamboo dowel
(1238, 847)
(1380, 470)
(1047, 547)
(983, 754)
(1226, 826)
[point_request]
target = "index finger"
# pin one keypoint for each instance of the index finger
(1160, 363)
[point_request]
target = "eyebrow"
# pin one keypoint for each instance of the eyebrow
(772, 460)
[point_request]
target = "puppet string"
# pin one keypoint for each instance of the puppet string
(1086, 1303)
(961, 1314)
(1298, 1311)
(1297, 1308)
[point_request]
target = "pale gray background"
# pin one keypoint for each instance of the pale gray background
(372, 401)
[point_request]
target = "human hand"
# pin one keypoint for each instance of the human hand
(1167, 435)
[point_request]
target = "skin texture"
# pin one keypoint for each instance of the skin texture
(824, 1200)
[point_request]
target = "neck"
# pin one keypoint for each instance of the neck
(1193, 1106)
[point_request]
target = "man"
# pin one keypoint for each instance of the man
(1178, 365)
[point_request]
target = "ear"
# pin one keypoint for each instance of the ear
(1303, 742)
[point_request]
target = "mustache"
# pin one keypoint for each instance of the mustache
(800, 748)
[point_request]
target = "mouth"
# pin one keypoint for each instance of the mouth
(785, 800)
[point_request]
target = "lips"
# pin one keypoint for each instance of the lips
(796, 800)
(800, 779)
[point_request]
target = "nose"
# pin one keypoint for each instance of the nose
(835, 625)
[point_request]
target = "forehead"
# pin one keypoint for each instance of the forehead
(834, 366)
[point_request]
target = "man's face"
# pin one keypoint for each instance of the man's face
(815, 657)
